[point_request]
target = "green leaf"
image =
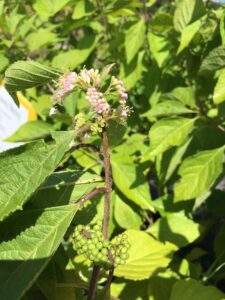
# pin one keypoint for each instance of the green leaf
(25, 74)
(131, 73)
(188, 33)
(115, 132)
(128, 290)
(167, 133)
(73, 58)
(159, 48)
(219, 90)
(23, 257)
(146, 256)
(160, 285)
(41, 38)
(215, 60)
(30, 164)
(125, 216)
(82, 9)
(167, 108)
(198, 173)
(30, 131)
(131, 181)
(176, 228)
(185, 95)
(49, 8)
(134, 39)
(194, 290)
(186, 12)
(4, 61)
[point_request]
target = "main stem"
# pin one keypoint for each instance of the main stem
(108, 182)
(108, 186)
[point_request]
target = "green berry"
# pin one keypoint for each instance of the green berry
(99, 245)
(80, 227)
(105, 243)
(85, 247)
(95, 240)
(124, 236)
(97, 227)
(91, 246)
(83, 241)
(104, 251)
(124, 256)
(117, 260)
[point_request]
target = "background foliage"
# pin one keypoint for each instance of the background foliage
(167, 167)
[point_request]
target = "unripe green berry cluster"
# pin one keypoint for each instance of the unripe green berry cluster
(89, 241)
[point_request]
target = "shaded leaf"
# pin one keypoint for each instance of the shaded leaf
(219, 90)
(215, 60)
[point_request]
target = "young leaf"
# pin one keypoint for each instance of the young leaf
(194, 290)
(167, 133)
(134, 39)
(219, 90)
(49, 7)
(187, 11)
(176, 228)
(23, 169)
(146, 255)
(25, 74)
(198, 173)
(24, 257)
(215, 60)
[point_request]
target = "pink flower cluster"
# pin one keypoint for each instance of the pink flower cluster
(97, 101)
(118, 84)
(66, 84)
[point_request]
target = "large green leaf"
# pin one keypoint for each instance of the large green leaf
(159, 48)
(25, 74)
(188, 33)
(131, 181)
(82, 9)
(187, 11)
(215, 60)
(219, 90)
(75, 57)
(167, 133)
(30, 131)
(146, 256)
(49, 7)
(41, 38)
(176, 228)
(167, 108)
(131, 73)
(24, 256)
(134, 39)
(23, 169)
(198, 173)
(194, 290)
